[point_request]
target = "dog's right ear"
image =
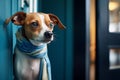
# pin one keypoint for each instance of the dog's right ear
(18, 18)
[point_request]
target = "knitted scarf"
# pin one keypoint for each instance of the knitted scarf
(34, 52)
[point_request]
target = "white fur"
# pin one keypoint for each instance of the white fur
(29, 67)
(44, 26)
(26, 66)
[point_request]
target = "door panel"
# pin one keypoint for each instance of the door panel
(5, 53)
(8, 40)
(108, 43)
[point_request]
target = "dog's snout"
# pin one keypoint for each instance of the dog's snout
(48, 34)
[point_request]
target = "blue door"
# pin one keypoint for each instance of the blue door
(5, 41)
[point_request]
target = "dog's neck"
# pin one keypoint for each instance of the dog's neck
(29, 47)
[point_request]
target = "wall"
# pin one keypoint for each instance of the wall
(60, 50)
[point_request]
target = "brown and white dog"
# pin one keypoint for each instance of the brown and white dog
(36, 30)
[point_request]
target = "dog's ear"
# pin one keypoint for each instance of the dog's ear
(18, 18)
(56, 21)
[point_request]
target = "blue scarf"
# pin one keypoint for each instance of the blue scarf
(33, 51)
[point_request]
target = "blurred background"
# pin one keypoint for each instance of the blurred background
(88, 49)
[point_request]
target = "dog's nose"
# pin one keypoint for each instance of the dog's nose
(48, 34)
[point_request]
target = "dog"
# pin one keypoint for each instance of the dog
(31, 61)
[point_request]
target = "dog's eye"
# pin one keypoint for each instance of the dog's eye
(51, 24)
(34, 24)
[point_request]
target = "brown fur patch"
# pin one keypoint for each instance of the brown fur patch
(30, 31)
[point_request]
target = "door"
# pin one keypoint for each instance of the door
(5, 44)
(7, 34)
(108, 40)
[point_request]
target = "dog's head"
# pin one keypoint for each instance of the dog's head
(37, 27)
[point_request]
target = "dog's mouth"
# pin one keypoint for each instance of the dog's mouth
(47, 41)
(44, 40)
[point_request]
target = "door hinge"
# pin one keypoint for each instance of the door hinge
(24, 3)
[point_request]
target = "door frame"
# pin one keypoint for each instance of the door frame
(102, 40)
(87, 53)
(82, 40)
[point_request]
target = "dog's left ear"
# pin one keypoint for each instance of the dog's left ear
(56, 21)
